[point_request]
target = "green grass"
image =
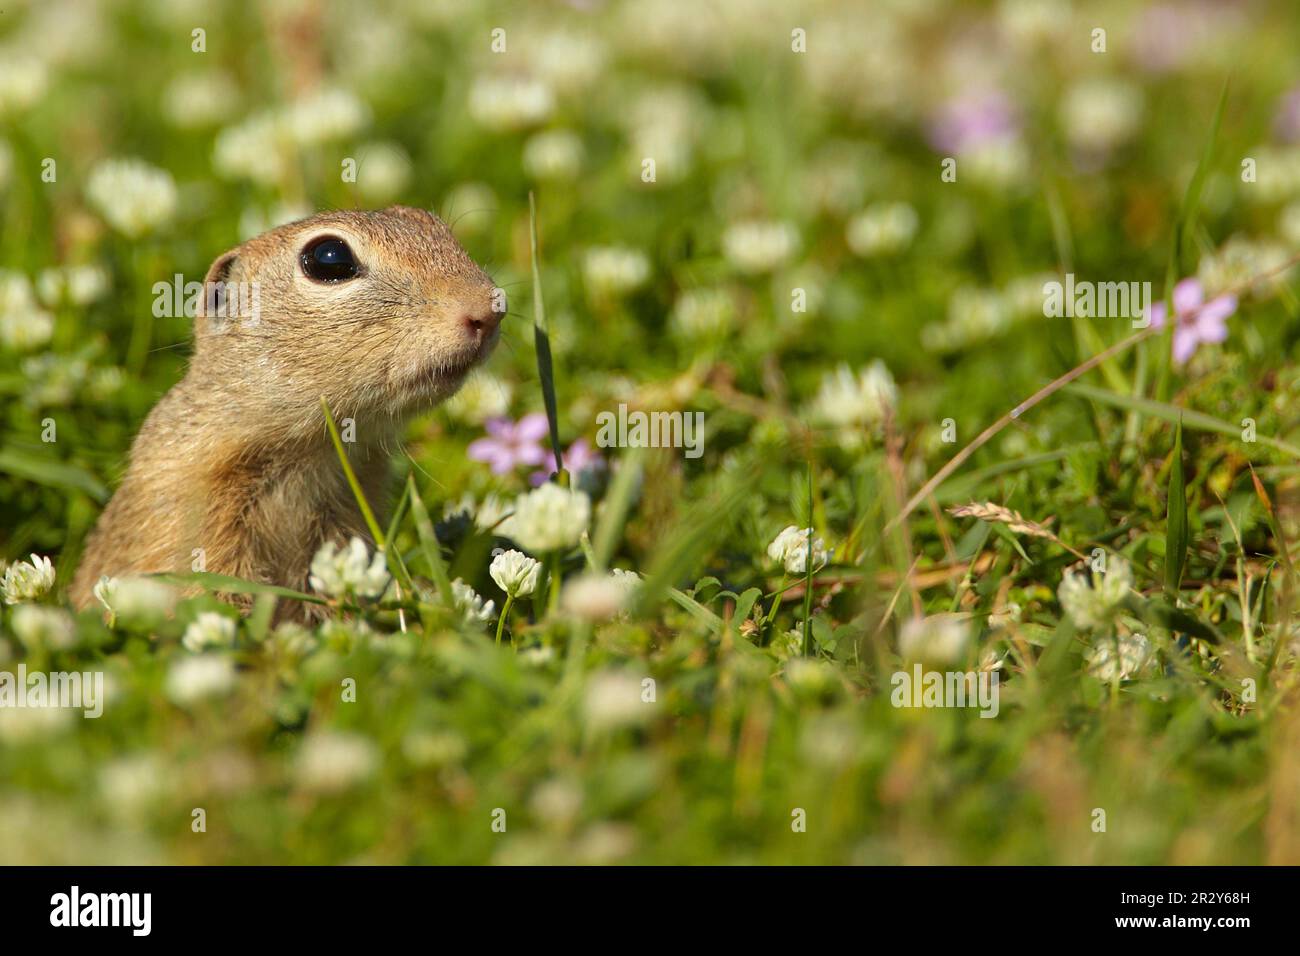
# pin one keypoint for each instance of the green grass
(729, 694)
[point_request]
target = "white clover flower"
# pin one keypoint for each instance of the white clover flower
(350, 571)
(27, 580)
(104, 590)
(553, 155)
(37, 626)
(209, 629)
(1002, 162)
(1099, 114)
(549, 518)
(788, 644)
(134, 197)
(86, 284)
(556, 801)
(192, 679)
(325, 116)
(488, 514)
(846, 400)
(137, 601)
(198, 100)
(938, 639)
(790, 550)
(15, 292)
(810, 676)
(1091, 600)
(294, 640)
(1022, 297)
(758, 246)
(570, 61)
(383, 172)
(539, 655)
(471, 604)
(254, 149)
(1006, 616)
(629, 581)
(612, 271)
(53, 378)
(24, 326)
(613, 699)
(664, 124)
(22, 81)
(881, 229)
(1107, 662)
(483, 396)
(830, 741)
(23, 724)
(596, 597)
(332, 761)
(72, 285)
(434, 749)
(974, 315)
(26, 331)
(1030, 22)
(504, 103)
(1277, 172)
(132, 785)
(515, 573)
(700, 313)
(1239, 261)
(1288, 224)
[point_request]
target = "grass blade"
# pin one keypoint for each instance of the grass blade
(1176, 517)
(1184, 226)
(429, 544)
(542, 340)
(617, 502)
(1174, 414)
(47, 471)
(351, 476)
(808, 570)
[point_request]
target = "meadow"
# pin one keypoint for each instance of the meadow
(819, 241)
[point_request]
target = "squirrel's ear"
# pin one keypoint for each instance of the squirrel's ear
(214, 285)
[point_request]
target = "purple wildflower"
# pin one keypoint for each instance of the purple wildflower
(1197, 321)
(1167, 35)
(971, 120)
(1287, 122)
(511, 444)
(579, 458)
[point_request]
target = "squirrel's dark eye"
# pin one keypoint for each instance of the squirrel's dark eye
(329, 260)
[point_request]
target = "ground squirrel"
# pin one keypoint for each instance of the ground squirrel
(383, 313)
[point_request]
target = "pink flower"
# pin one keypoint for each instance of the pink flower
(511, 444)
(1197, 320)
(579, 458)
(1287, 122)
(972, 119)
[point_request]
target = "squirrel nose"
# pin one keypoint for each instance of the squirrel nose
(482, 323)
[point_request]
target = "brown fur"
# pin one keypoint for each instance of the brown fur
(236, 459)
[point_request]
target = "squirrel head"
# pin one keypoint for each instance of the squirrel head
(381, 312)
